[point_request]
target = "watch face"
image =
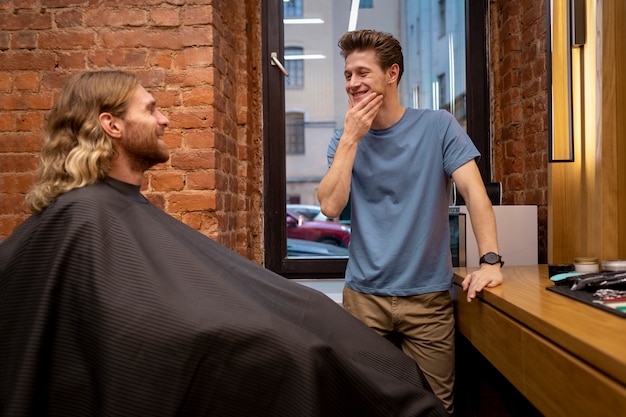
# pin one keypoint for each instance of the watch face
(492, 258)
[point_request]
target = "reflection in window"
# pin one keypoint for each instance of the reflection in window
(442, 18)
(294, 133)
(295, 67)
(441, 84)
(292, 8)
(415, 99)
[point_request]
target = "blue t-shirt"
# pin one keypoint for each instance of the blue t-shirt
(400, 243)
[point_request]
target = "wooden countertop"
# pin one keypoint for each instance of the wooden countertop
(592, 335)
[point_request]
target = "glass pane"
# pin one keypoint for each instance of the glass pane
(432, 33)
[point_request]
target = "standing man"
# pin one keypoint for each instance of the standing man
(395, 164)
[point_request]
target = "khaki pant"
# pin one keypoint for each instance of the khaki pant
(421, 325)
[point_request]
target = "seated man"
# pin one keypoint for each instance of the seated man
(109, 306)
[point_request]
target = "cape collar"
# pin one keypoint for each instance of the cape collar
(129, 190)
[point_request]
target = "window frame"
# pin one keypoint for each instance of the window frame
(274, 166)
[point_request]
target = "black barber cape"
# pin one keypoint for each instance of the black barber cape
(111, 307)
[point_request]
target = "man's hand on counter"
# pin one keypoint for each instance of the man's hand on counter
(487, 276)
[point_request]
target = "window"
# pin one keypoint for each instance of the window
(366, 4)
(292, 8)
(294, 65)
(441, 93)
(283, 123)
(294, 133)
(442, 18)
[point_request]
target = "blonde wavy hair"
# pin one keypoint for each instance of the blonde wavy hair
(76, 151)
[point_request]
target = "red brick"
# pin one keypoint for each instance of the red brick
(16, 183)
(202, 15)
(26, 81)
(195, 77)
(18, 162)
(29, 121)
(160, 59)
(5, 39)
(7, 122)
(192, 36)
(68, 18)
(172, 139)
(25, 19)
(192, 119)
(137, 38)
(12, 203)
(67, 3)
(25, 101)
(202, 180)
(54, 80)
(20, 142)
(199, 139)
(195, 57)
(66, 40)
(166, 181)
(166, 99)
(26, 60)
(6, 81)
(191, 201)
(116, 18)
(128, 3)
(128, 58)
(24, 40)
(199, 97)
(24, 4)
(72, 60)
(194, 160)
(165, 17)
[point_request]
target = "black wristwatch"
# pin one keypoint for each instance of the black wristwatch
(491, 258)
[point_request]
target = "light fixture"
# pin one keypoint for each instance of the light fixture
(304, 56)
(311, 21)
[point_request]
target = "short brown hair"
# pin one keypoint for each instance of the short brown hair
(387, 48)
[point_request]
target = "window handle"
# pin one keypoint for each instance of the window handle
(276, 62)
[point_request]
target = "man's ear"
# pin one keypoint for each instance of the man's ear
(392, 73)
(110, 124)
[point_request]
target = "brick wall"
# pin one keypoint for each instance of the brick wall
(520, 105)
(199, 58)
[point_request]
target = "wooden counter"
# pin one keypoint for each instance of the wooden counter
(565, 357)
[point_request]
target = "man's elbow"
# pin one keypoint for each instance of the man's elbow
(330, 210)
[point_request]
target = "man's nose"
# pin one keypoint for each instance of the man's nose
(163, 120)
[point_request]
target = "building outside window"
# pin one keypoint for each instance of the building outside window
(295, 67)
(294, 133)
(292, 8)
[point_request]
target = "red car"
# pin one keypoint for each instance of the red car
(318, 231)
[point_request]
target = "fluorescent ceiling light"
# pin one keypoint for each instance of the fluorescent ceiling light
(306, 56)
(302, 21)
(354, 15)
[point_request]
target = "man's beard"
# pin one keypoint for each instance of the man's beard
(143, 147)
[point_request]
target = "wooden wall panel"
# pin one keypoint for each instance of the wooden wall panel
(587, 198)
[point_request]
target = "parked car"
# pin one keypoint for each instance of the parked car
(310, 212)
(332, 233)
(298, 247)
